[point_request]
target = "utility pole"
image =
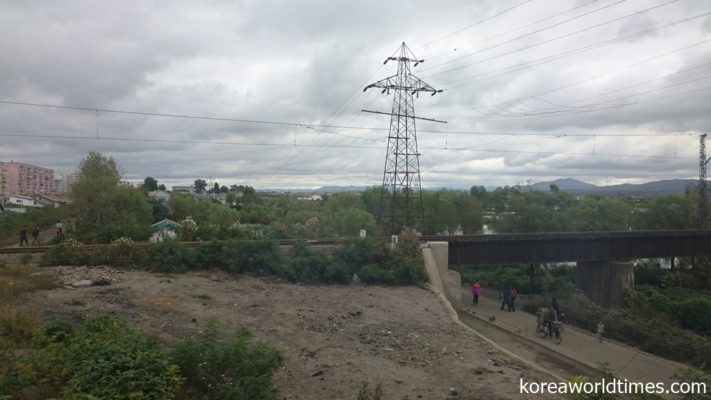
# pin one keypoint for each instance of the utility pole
(401, 174)
(703, 192)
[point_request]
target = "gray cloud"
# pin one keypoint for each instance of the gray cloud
(308, 61)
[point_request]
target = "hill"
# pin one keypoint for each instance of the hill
(649, 189)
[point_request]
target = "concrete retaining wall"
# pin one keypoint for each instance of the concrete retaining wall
(436, 256)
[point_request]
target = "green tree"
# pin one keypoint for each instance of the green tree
(159, 210)
(599, 214)
(342, 201)
(371, 199)
(150, 184)
(249, 195)
(107, 210)
(478, 192)
(98, 180)
(347, 222)
(200, 185)
(182, 206)
(665, 212)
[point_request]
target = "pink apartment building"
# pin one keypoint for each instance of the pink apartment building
(17, 179)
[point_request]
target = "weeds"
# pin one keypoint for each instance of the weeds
(366, 393)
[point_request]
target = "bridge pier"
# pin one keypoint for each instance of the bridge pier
(604, 282)
(436, 256)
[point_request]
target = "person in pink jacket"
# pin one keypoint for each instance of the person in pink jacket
(476, 291)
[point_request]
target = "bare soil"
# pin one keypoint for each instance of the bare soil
(333, 338)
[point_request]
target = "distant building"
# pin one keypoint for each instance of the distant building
(18, 179)
(54, 200)
(59, 185)
(160, 195)
(184, 189)
(310, 197)
(22, 201)
(70, 179)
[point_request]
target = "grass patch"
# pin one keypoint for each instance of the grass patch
(75, 302)
(16, 280)
(202, 296)
(17, 327)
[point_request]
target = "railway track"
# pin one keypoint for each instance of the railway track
(43, 249)
(423, 238)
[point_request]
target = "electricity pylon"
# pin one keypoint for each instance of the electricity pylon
(703, 193)
(401, 175)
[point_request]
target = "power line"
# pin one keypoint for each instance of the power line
(481, 21)
(547, 40)
(561, 114)
(522, 27)
(567, 108)
(556, 56)
(620, 69)
(315, 126)
(286, 145)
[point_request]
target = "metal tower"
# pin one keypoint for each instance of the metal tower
(703, 192)
(401, 195)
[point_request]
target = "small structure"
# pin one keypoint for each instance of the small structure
(184, 189)
(159, 195)
(163, 229)
(54, 200)
(165, 224)
(22, 201)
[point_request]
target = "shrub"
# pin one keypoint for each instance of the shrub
(305, 264)
(336, 272)
(259, 257)
(16, 327)
(67, 252)
(118, 363)
(209, 254)
(692, 375)
(102, 358)
(408, 272)
(238, 368)
(171, 256)
(373, 273)
(695, 314)
(356, 253)
(25, 258)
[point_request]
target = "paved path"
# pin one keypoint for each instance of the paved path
(624, 361)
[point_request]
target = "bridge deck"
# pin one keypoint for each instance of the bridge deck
(576, 246)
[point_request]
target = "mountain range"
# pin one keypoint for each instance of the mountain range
(656, 188)
(568, 185)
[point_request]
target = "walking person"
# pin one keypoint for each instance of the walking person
(555, 307)
(35, 236)
(600, 331)
(58, 228)
(506, 298)
(476, 291)
(513, 294)
(23, 237)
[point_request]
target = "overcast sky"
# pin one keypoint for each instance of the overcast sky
(533, 89)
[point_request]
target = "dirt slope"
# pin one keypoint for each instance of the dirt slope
(333, 338)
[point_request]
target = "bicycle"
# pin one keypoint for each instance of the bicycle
(546, 327)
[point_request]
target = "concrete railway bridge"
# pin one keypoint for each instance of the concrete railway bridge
(604, 259)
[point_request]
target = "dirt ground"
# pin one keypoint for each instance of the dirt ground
(333, 338)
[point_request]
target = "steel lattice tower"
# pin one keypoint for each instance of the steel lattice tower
(401, 196)
(703, 193)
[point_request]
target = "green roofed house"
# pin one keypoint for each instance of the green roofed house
(165, 224)
(164, 229)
